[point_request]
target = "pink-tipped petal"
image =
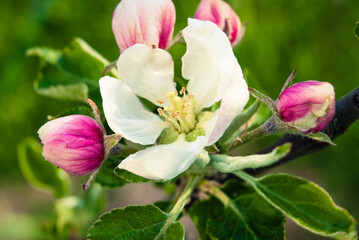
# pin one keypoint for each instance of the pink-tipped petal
(73, 143)
(222, 14)
(149, 22)
(308, 105)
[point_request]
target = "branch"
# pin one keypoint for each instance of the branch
(347, 112)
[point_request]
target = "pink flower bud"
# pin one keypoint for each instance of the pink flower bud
(308, 105)
(222, 14)
(149, 22)
(73, 143)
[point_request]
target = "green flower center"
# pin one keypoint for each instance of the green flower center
(180, 115)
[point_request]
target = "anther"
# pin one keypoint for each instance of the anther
(159, 101)
(160, 111)
(183, 90)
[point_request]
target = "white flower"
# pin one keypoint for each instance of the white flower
(214, 75)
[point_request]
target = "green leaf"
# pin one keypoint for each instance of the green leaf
(233, 131)
(306, 204)
(135, 222)
(106, 175)
(356, 30)
(264, 99)
(39, 172)
(227, 164)
(70, 74)
(76, 110)
(129, 177)
(201, 211)
(247, 216)
(321, 137)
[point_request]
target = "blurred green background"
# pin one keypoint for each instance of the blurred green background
(313, 36)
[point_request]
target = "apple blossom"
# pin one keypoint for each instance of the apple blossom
(222, 14)
(149, 22)
(183, 123)
(310, 105)
(73, 143)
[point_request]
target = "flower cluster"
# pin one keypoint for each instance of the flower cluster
(189, 117)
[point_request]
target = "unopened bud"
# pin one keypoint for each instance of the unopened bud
(149, 22)
(310, 105)
(73, 143)
(222, 14)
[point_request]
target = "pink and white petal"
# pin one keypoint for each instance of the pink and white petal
(164, 161)
(126, 115)
(126, 25)
(209, 10)
(235, 99)
(207, 63)
(148, 72)
(157, 19)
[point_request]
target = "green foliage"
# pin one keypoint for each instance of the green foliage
(135, 222)
(39, 172)
(74, 215)
(70, 74)
(106, 175)
(306, 204)
(82, 110)
(356, 30)
(236, 212)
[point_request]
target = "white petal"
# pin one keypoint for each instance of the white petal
(125, 114)
(148, 72)
(164, 161)
(235, 99)
(208, 62)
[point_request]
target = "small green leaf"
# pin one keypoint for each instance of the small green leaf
(135, 222)
(321, 137)
(70, 74)
(356, 30)
(264, 99)
(227, 164)
(129, 177)
(39, 172)
(306, 204)
(106, 175)
(233, 131)
(76, 110)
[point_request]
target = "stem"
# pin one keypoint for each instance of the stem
(267, 128)
(181, 202)
(246, 177)
(174, 40)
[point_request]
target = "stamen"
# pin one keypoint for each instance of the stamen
(180, 114)
(159, 101)
(183, 90)
(160, 111)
